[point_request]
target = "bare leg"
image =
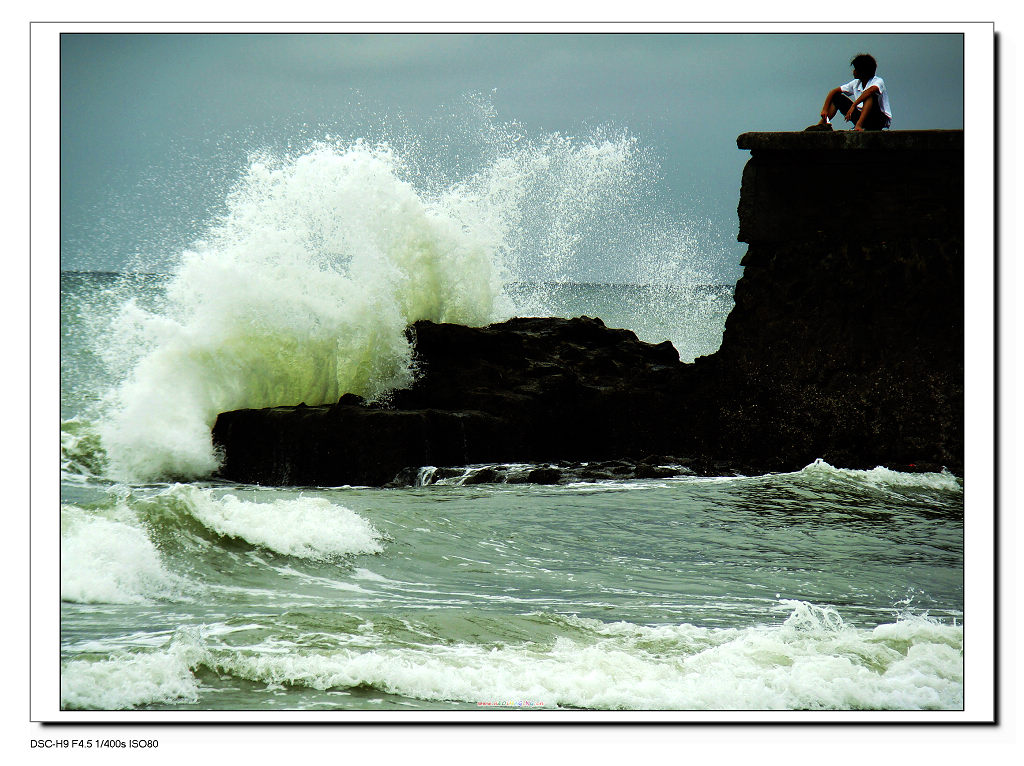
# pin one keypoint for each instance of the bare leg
(831, 108)
(866, 106)
(828, 111)
(833, 104)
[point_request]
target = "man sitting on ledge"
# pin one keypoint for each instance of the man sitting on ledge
(863, 101)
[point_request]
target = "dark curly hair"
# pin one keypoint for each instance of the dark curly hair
(865, 63)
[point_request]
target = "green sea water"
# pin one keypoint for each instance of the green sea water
(820, 589)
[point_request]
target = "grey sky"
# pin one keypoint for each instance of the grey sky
(154, 128)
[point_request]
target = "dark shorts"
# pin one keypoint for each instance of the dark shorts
(876, 119)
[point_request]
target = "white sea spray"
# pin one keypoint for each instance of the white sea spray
(302, 293)
(303, 290)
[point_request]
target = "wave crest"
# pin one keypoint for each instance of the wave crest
(310, 528)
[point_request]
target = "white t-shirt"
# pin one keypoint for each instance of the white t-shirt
(854, 88)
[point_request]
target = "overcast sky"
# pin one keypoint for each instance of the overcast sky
(155, 128)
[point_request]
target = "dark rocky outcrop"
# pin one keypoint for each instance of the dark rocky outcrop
(529, 390)
(845, 343)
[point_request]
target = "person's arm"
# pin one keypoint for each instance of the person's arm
(872, 91)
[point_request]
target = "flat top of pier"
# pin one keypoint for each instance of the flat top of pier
(904, 140)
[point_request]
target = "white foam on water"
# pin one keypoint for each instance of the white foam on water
(131, 679)
(812, 661)
(126, 682)
(365, 574)
(611, 485)
(884, 478)
(109, 558)
(305, 527)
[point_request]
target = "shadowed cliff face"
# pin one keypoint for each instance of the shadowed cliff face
(846, 343)
(846, 340)
(861, 366)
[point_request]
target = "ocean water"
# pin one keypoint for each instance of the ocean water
(823, 589)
